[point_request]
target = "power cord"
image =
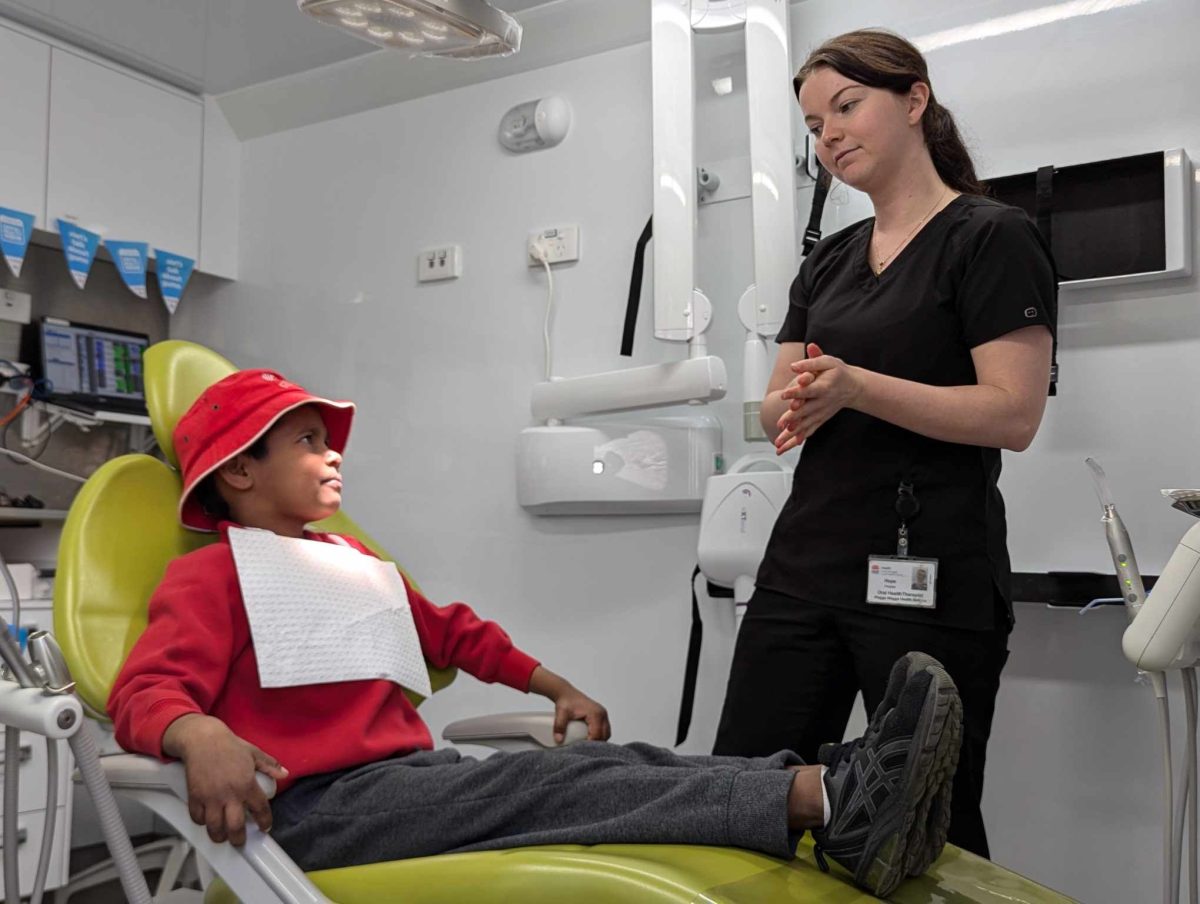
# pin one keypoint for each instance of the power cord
(541, 253)
(25, 459)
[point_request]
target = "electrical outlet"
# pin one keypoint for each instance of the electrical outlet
(561, 241)
(440, 263)
(15, 306)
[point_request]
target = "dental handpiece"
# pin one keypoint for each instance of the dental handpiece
(1132, 590)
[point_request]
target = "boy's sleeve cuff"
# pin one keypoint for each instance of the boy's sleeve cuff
(148, 735)
(516, 670)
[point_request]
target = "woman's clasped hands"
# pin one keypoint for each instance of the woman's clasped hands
(822, 387)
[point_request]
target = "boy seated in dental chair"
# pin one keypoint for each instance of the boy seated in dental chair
(358, 778)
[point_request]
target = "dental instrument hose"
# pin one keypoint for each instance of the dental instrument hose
(88, 761)
(12, 885)
(12, 752)
(47, 850)
(1188, 802)
(1159, 680)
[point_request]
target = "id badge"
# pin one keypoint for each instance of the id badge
(902, 581)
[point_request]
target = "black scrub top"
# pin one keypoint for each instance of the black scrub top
(976, 271)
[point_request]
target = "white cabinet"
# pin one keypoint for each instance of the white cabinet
(124, 156)
(24, 101)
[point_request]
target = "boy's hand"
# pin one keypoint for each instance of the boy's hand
(573, 704)
(570, 704)
(220, 769)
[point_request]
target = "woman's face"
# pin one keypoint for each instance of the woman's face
(863, 134)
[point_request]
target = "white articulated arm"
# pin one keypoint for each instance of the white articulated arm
(1164, 633)
(513, 732)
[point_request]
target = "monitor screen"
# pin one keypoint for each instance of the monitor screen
(92, 361)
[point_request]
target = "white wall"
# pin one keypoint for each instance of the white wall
(333, 215)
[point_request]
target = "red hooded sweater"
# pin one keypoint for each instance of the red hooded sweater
(197, 656)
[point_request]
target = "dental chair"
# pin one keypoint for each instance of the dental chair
(122, 531)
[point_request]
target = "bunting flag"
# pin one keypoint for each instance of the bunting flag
(130, 258)
(16, 228)
(174, 271)
(79, 247)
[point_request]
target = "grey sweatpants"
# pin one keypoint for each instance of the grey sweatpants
(437, 802)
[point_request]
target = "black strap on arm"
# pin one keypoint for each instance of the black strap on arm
(812, 234)
(635, 288)
(1044, 208)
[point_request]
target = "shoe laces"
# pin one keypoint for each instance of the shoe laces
(844, 752)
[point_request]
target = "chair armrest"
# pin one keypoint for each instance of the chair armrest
(513, 731)
(132, 771)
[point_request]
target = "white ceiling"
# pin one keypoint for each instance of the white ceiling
(203, 46)
(273, 68)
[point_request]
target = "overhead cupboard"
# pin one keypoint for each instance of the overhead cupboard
(115, 152)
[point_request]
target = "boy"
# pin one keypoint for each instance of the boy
(358, 778)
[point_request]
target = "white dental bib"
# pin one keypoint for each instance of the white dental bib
(321, 613)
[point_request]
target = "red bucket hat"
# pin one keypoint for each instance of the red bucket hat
(230, 416)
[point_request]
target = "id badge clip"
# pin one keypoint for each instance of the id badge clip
(902, 580)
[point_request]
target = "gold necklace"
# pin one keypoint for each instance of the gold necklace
(921, 222)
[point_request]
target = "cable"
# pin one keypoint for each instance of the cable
(539, 252)
(25, 459)
(41, 441)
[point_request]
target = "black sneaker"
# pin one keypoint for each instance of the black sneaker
(933, 819)
(880, 785)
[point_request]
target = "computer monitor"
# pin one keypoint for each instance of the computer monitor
(95, 366)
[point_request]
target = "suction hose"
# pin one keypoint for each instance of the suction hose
(88, 760)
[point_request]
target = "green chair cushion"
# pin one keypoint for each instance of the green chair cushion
(651, 874)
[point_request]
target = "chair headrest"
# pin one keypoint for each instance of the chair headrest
(176, 373)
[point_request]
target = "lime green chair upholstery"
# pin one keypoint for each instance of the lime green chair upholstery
(119, 537)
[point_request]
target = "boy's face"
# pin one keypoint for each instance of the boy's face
(299, 480)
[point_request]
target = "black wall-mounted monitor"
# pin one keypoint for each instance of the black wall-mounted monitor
(92, 366)
(1108, 218)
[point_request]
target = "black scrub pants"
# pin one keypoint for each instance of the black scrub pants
(797, 668)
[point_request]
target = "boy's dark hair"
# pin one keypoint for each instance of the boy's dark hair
(209, 495)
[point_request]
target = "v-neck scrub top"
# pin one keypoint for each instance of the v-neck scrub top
(977, 271)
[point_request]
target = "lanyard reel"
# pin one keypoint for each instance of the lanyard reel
(907, 507)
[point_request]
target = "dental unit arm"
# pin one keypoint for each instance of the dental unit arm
(1163, 635)
(37, 695)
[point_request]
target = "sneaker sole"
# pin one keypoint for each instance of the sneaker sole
(898, 839)
(932, 823)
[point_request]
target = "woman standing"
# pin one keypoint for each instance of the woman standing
(917, 346)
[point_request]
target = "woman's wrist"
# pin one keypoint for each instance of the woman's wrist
(862, 377)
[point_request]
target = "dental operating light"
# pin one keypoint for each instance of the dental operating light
(459, 29)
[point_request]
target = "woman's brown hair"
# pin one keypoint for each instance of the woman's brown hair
(880, 59)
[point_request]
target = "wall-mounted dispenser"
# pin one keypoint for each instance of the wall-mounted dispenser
(618, 468)
(535, 124)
